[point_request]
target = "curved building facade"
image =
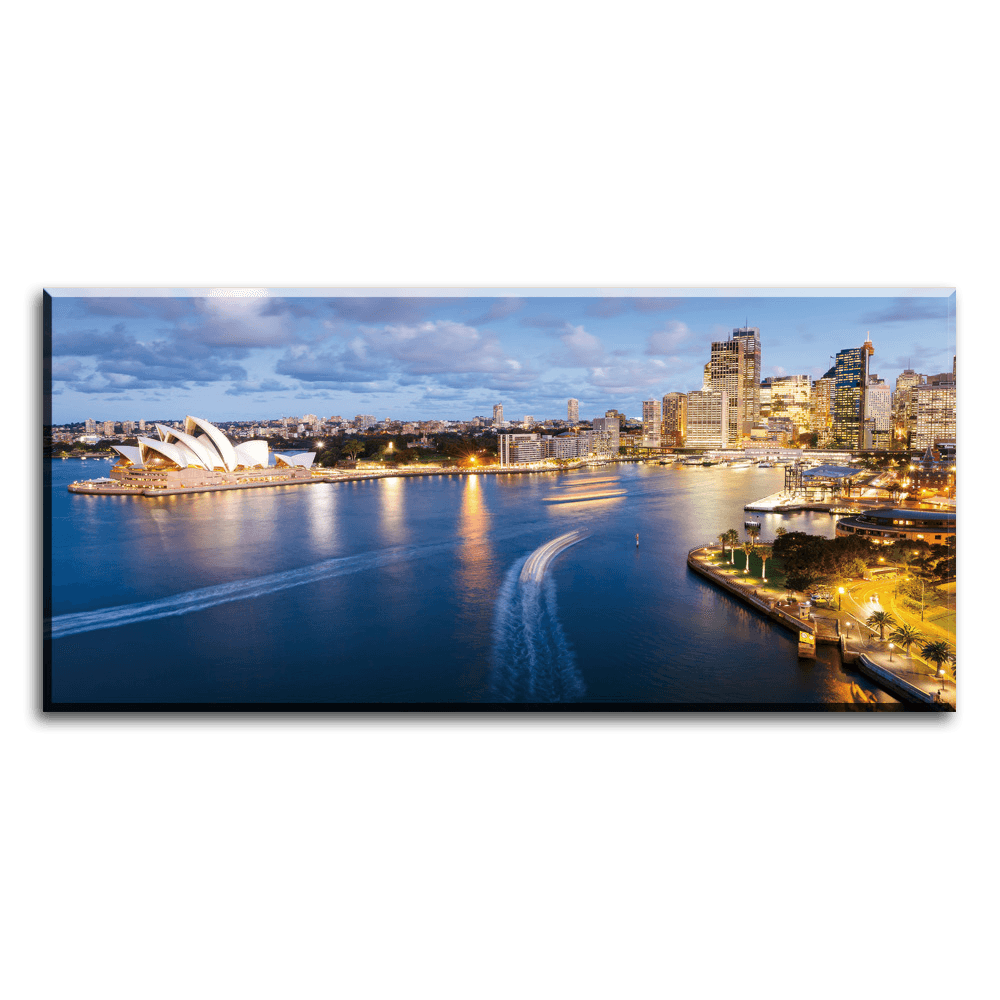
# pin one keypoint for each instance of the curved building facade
(201, 455)
(893, 525)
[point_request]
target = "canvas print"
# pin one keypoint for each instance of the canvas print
(500, 499)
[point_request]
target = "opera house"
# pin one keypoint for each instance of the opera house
(201, 456)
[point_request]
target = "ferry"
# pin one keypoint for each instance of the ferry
(743, 463)
(765, 465)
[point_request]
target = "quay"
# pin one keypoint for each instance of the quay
(896, 674)
(113, 488)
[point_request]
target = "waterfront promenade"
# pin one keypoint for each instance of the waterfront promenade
(906, 677)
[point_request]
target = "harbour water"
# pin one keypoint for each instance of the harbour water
(442, 589)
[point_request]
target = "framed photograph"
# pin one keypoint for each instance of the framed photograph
(500, 499)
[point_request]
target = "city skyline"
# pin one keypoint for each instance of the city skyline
(263, 354)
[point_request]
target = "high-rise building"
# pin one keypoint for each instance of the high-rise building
(497, 414)
(823, 390)
(529, 421)
(364, 420)
(620, 417)
(734, 368)
(674, 422)
(573, 411)
(142, 425)
(650, 423)
(765, 399)
(791, 398)
(91, 426)
(933, 414)
(708, 422)
(902, 406)
(878, 414)
(109, 428)
(607, 435)
(851, 375)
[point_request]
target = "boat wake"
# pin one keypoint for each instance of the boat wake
(532, 660)
(239, 590)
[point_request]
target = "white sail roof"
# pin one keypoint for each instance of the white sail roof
(130, 453)
(251, 453)
(197, 450)
(222, 445)
(151, 448)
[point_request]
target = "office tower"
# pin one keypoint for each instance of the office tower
(573, 411)
(497, 414)
(765, 399)
(791, 398)
(607, 436)
(708, 421)
(902, 406)
(650, 423)
(851, 375)
(933, 414)
(142, 425)
(363, 421)
(91, 426)
(822, 410)
(735, 369)
(674, 422)
(109, 428)
(878, 414)
(620, 417)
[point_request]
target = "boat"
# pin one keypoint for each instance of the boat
(743, 463)
(862, 697)
(765, 465)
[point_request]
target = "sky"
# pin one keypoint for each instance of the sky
(257, 354)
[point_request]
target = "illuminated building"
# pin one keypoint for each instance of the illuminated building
(885, 526)
(573, 411)
(851, 377)
(791, 397)
(674, 419)
(708, 424)
(497, 414)
(650, 423)
(878, 414)
(200, 455)
(734, 368)
(933, 414)
(822, 410)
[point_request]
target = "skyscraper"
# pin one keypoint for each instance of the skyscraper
(497, 414)
(878, 414)
(790, 399)
(650, 423)
(734, 368)
(573, 411)
(933, 414)
(851, 376)
(708, 420)
(674, 423)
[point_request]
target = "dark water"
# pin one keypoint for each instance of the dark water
(419, 590)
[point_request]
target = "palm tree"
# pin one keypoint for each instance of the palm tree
(764, 551)
(906, 635)
(732, 536)
(880, 620)
(747, 548)
(724, 537)
(780, 531)
(753, 530)
(939, 653)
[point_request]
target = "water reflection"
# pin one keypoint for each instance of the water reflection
(392, 515)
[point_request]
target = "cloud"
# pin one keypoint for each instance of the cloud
(64, 369)
(906, 310)
(544, 322)
(631, 377)
(251, 386)
(580, 348)
(499, 309)
(669, 339)
(387, 309)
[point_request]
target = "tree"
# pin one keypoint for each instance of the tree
(753, 531)
(880, 620)
(764, 551)
(747, 548)
(779, 532)
(939, 653)
(905, 635)
(724, 537)
(732, 536)
(354, 448)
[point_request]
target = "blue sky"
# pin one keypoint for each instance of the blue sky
(130, 355)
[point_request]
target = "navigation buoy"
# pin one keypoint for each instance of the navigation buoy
(637, 540)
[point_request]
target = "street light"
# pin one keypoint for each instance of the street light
(840, 597)
(890, 652)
